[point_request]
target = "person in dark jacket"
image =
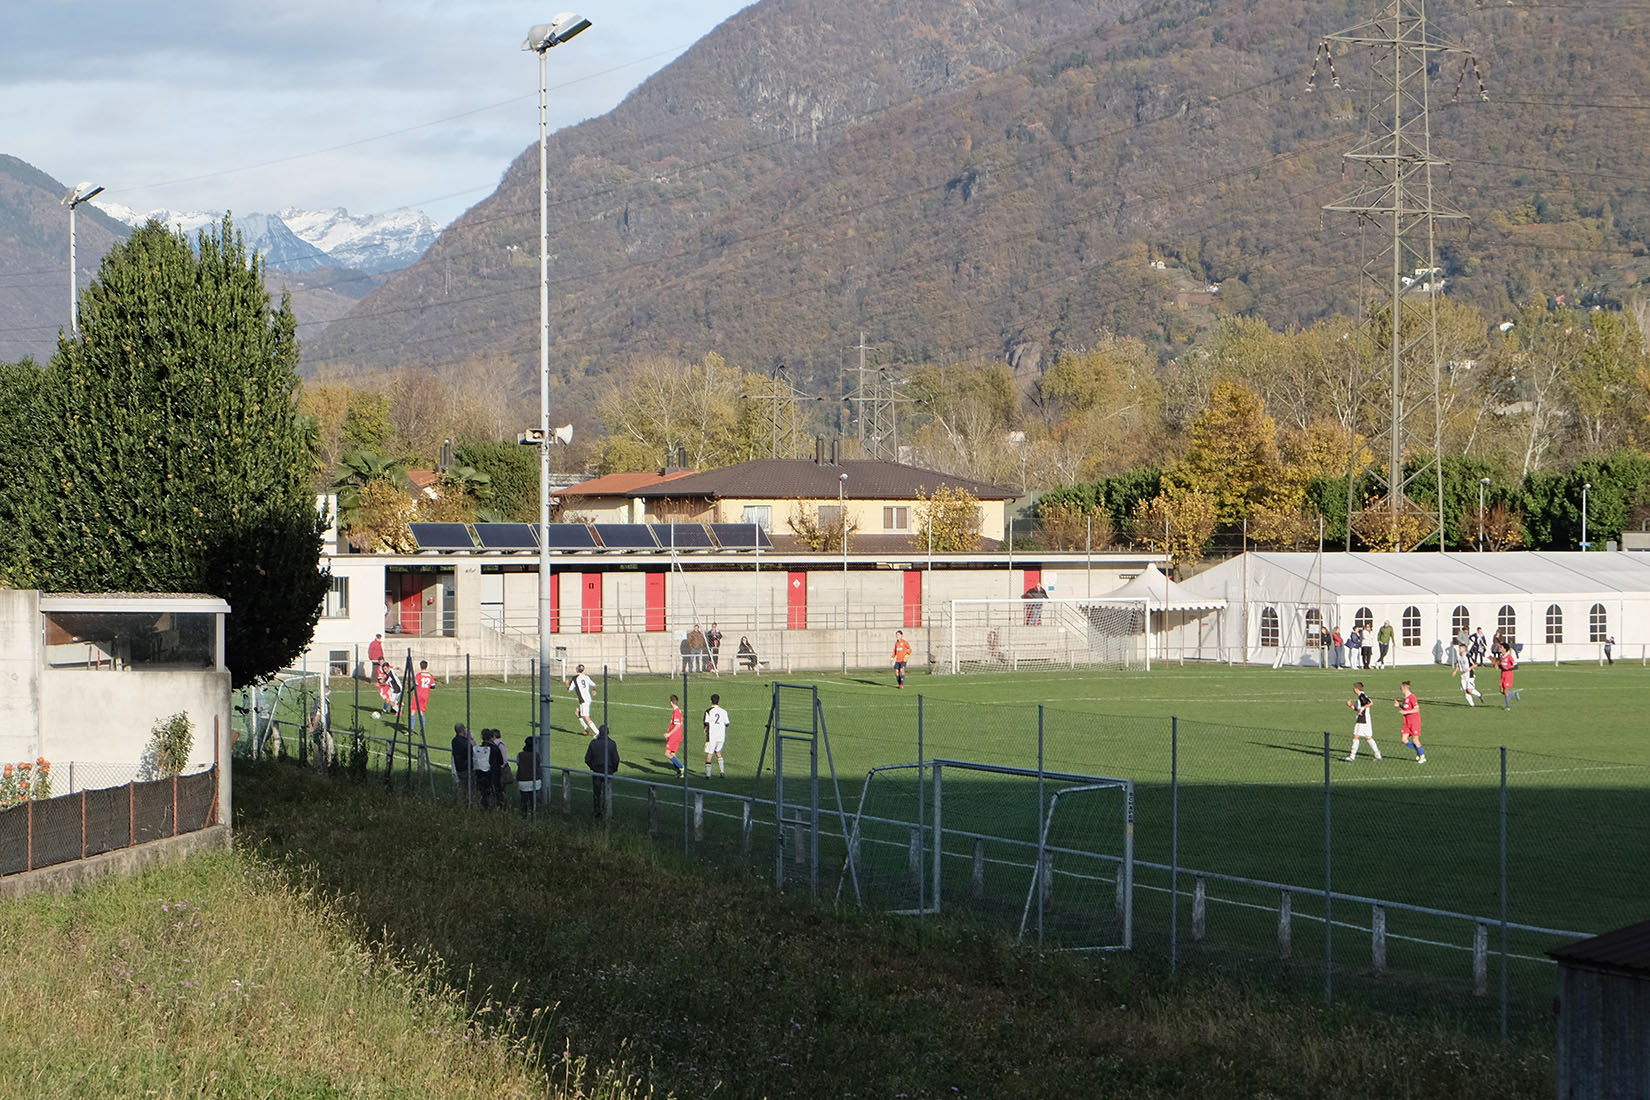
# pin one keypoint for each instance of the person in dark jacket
(491, 780)
(463, 754)
(601, 756)
(527, 777)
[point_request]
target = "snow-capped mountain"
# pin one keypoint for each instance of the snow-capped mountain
(297, 241)
(371, 242)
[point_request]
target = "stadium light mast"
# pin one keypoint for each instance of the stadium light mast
(1586, 488)
(81, 192)
(1483, 483)
(541, 39)
(842, 508)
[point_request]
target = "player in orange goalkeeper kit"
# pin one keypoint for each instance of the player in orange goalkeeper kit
(902, 654)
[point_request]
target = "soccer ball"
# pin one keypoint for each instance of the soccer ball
(375, 714)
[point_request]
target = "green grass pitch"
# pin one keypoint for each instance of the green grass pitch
(1251, 770)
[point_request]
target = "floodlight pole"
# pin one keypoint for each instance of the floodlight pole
(1482, 483)
(1585, 488)
(82, 192)
(541, 39)
(842, 508)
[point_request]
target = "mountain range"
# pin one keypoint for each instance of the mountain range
(327, 259)
(1008, 179)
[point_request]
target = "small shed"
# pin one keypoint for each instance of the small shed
(1604, 1016)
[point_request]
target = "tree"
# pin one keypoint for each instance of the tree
(1232, 454)
(948, 520)
(375, 502)
(174, 456)
(665, 407)
(1177, 522)
(20, 432)
(512, 478)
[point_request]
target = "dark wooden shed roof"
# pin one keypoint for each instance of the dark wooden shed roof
(1625, 951)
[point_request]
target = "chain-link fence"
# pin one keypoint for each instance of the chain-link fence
(1260, 845)
(84, 817)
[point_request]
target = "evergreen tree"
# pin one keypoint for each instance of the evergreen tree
(20, 430)
(176, 460)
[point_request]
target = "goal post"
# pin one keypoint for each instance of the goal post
(1008, 634)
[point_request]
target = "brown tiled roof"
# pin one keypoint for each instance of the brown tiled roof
(1624, 951)
(423, 479)
(809, 480)
(622, 484)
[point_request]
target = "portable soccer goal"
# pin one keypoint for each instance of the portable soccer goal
(1047, 854)
(1006, 635)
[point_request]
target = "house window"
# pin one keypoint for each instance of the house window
(759, 514)
(336, 604)
(1598, 624)
(1411, 626)
(338, 662)
(1269, 632)
(896, 517)
(1459, 622)
(830, 517)
(1555, 624)
(1506, 621)
(1363, 619)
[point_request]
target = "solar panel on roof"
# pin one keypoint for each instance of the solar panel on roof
(626, 536)
(568, 536)
(741, 536)
(442, 536)
(506, 536)
(683, 536)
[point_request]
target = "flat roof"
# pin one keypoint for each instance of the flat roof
(138, 602)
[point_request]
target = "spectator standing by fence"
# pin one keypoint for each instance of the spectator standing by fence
(714, 640)
(696, 647)
(527, 777)
(375, 653)
(1384, 639)
(1337, 657)
(602, 758)
(463, 761)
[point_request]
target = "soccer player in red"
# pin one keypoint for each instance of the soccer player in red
(1410, 708)
(422, 683)
(673, 738)
(902, 654)
(1507, 662)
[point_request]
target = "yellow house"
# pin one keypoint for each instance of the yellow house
(879, 498)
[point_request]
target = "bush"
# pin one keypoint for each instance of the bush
(170, 742)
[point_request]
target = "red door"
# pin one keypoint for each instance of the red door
(913, 597)
(555, 603)
(412, 603)
(796, 601)
(655, 601)
(590, 609)
(1033, 577)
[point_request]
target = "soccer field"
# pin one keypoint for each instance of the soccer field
(1249, 758)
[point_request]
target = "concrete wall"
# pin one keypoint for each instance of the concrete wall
(22, 654)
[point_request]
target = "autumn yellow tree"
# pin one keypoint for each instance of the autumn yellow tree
(1178, 522)
(1232, 454)
(950, 516)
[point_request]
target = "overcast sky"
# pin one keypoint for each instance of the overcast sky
(366, 104)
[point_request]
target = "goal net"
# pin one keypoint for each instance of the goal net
(1011, 634)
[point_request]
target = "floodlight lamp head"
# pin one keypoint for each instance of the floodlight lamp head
(79, 193)
(543, 36)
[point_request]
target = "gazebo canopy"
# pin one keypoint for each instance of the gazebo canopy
(1164, 594)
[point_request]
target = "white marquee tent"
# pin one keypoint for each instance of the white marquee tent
(1558, 606)
(1180, 625)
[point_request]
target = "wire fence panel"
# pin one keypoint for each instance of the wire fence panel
(71, 826)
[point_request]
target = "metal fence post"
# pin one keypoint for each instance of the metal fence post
(1328, 888)
(82, 824)
(1174, 842)
(1043, 861)
(28, 857)
(1503, 895)
(1377, 938)
(174, 803)
(1286, 932)
(131, 814)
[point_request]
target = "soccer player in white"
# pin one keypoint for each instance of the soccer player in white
(1363, 728)
(1469, 683)
(584, 691)
(716, 735)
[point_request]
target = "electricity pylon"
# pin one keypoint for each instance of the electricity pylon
(1401, 391)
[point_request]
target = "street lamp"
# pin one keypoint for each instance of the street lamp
(1585, 487)
(1483, 483)
(79, 193)
(541, 39)
(842, 507)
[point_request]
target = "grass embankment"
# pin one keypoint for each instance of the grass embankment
(712, 986)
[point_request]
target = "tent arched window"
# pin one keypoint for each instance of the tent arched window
(1598, 624)
(1506, 621)
(1269, 632)
(1363, 619)
(1411, 626)
(1555, 624)
(1314, 627)
(1460, 622)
